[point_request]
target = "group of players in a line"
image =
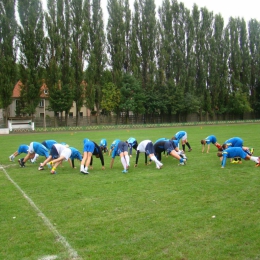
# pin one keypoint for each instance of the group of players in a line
(55, 153)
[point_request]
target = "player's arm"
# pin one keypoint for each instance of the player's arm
(101, 157)
(223, 163)
(111, 163)
(137, 157)
(208, 148)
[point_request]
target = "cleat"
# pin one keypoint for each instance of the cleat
(53, 172)
(20, 161)
(11, 158)
(40, 167)
(233, 161)
(257, 165)
(49, 165)
(124, 171)
(181, 164)
(252, 150)
(190, 150)
(84, 172)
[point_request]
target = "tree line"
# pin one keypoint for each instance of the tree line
(147, 61)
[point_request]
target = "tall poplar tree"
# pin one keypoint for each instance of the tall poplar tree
(32, 52)
(79, 12)
(8, 71)
(145, 27)
(238, 100)
(118, 37)
(58, 72)
(97, 57)
(254, 46)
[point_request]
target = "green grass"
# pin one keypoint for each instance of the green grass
(145, 214)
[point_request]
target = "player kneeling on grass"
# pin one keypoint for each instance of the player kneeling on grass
(233, 152)
(147, 147)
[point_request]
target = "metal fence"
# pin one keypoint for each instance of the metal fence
(103, 121)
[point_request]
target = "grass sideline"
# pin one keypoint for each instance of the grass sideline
(145, 214)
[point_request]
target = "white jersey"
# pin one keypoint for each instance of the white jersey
(141, 146)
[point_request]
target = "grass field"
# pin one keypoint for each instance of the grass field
(198, 211)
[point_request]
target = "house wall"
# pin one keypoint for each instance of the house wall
(40, 110)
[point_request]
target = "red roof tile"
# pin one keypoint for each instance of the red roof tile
(18, 86)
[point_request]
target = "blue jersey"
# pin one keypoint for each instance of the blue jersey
(114, 143)
(232, 152)
(49, 143)
(179, 135)
(40, 149)
(211, 139)
(161, 139)
(175, 143)
(75, 154)
(85, 140)
(119, 148)
(23, 148)
(234, 142)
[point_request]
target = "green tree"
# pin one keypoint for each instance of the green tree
(118, 31)
(79, 12)
(32, 52)
(110, 98)
(239, 66)
(97, 57)
(8, 72)
(145, 26)
(132, 96)
(254, 46)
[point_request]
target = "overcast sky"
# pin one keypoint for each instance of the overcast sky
(249, 9)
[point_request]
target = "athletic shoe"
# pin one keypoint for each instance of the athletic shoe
(190, 150)
(84, 171)
(252, 150)
(49, 164)
(40, 167)
(20, 161)
(159, 165)
(233, 161)
(181, 164)
(124, 171)
(11, 158)
(53, 172)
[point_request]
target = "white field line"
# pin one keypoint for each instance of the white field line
(72, 253)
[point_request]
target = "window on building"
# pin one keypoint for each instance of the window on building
(70, 114)
(41, 115)
(81, 114)
(41, 104)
